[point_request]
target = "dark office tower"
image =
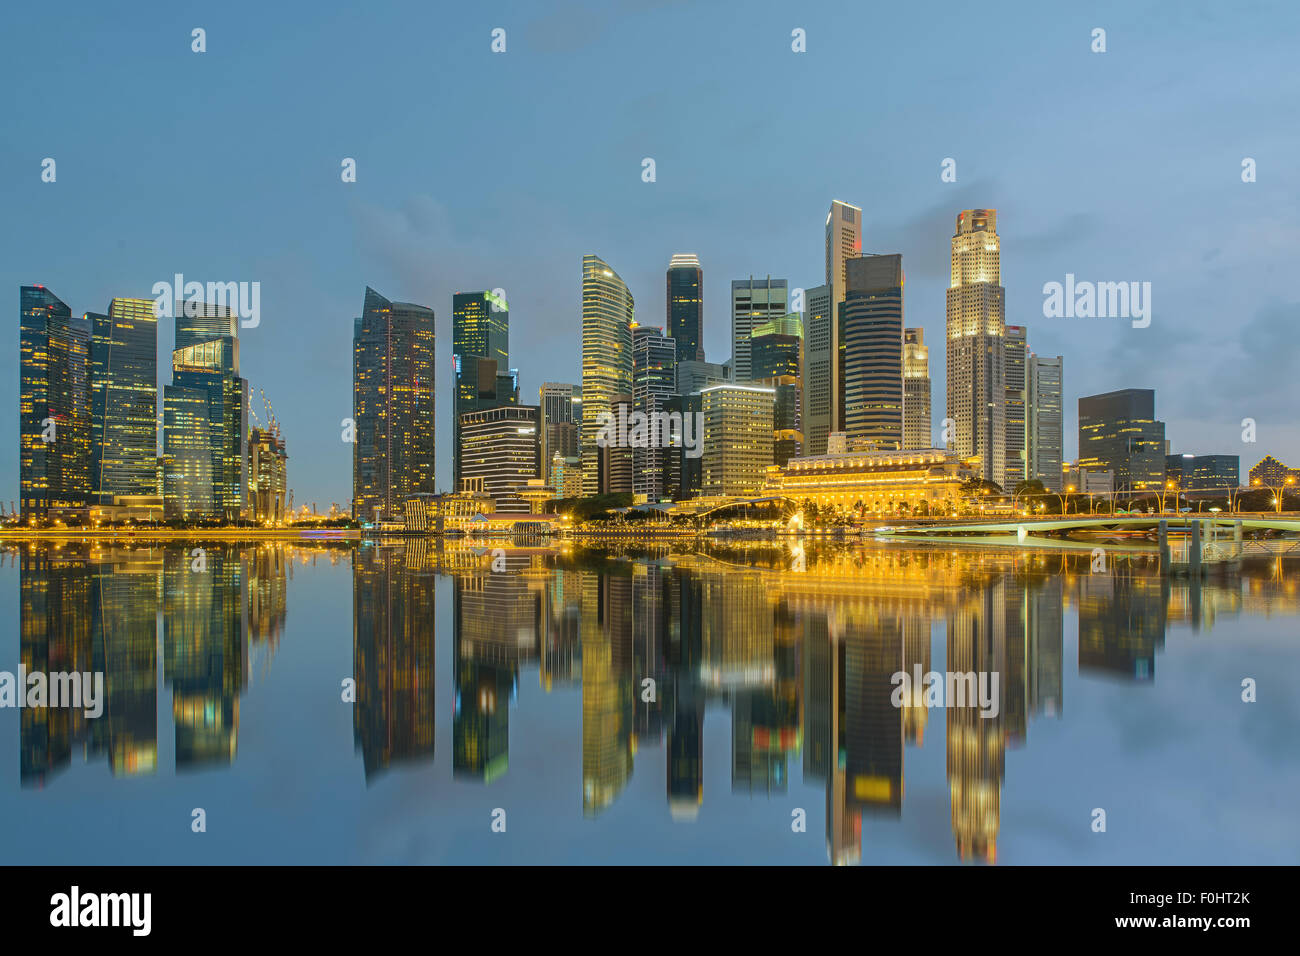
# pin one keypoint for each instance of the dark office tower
(607, 309)
(480, 346)
(205, 430)
(753, 302)
(393, 614)
(54, 635)
(1118, 432)
(976, 325)
(124, 400)
(392, 402)
(53, 406)
(1016, 381)
(1043, 424)
(501, 447)
(916, 391)
(820, 395)
(614, 461)
(686, 307)
(871, 349)
(654, 377)
(776, 349)
(205, 653)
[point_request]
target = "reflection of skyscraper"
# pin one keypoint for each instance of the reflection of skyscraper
(393, 655)
(607, 689)
(205, 653)
(873, 732)
(916, 652)
(393, 406)
(1045, 636)
(1121, 622)
(976, 645)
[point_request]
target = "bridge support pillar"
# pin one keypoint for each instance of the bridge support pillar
(1162, 536)
(1194, 555)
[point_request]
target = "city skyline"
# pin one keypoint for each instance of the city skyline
(1080, 210)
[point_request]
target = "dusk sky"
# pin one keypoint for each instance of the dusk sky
(478, 170)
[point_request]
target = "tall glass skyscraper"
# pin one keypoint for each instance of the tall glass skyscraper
(607, 310)
(392, 406)
(1119, 432)
(821, 398)
(480, 345)
(654, 381)
(1016, 379)
(753, 302)
(124, 400)
(686, 307)
(1044, 415)
(53, 406)
(777, 354)
(916, 391)
(976, 326)
(871, 351)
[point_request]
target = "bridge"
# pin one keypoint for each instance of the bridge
(1027, 526)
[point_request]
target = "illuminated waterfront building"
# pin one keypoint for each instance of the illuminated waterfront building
(870, 323)
(738, 430)
(268, 481)
(923, 481)
(124, 400)
(607, 312)
(753, 302)
(686, 307)
(916, 390)
(976, 355)
(53, 406)
(392, 407)
(1270, 471)
(776, 349)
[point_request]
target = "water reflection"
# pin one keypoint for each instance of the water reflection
(796, 645)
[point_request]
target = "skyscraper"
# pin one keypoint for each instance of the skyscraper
(501, 446)
(124, 400)
(1016, 382)
(976, 325)
(821, 399)
(777, 354)
(53, 406)
(753, 302)
(686, 307)
(607, 310)
(561, 413)
(480, 346)
(738, 432)
(654, 375)
(843, 242)
(916, 391)
(1118, 432)
(871, 351)
(205, 417)
(1045, 422)
(393, 407)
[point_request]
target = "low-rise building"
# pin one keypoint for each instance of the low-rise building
(921, 481)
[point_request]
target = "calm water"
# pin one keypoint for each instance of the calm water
(517, 682)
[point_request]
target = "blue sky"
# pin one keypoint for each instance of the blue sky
(481, 170)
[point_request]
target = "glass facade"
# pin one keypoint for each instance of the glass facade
(607, 313)
(124, 400)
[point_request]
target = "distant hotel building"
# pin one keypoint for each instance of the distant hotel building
(686, 307)
(607, 312)
(1270, 471)
(53, 403)
(1043, 413)
(1118, 432)
(871, 350)
(916, 391)
(976, 326)
(753, 302)
(501, 448)
(738, 429)
(392, 406)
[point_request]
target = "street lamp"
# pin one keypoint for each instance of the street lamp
(1278, 490)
